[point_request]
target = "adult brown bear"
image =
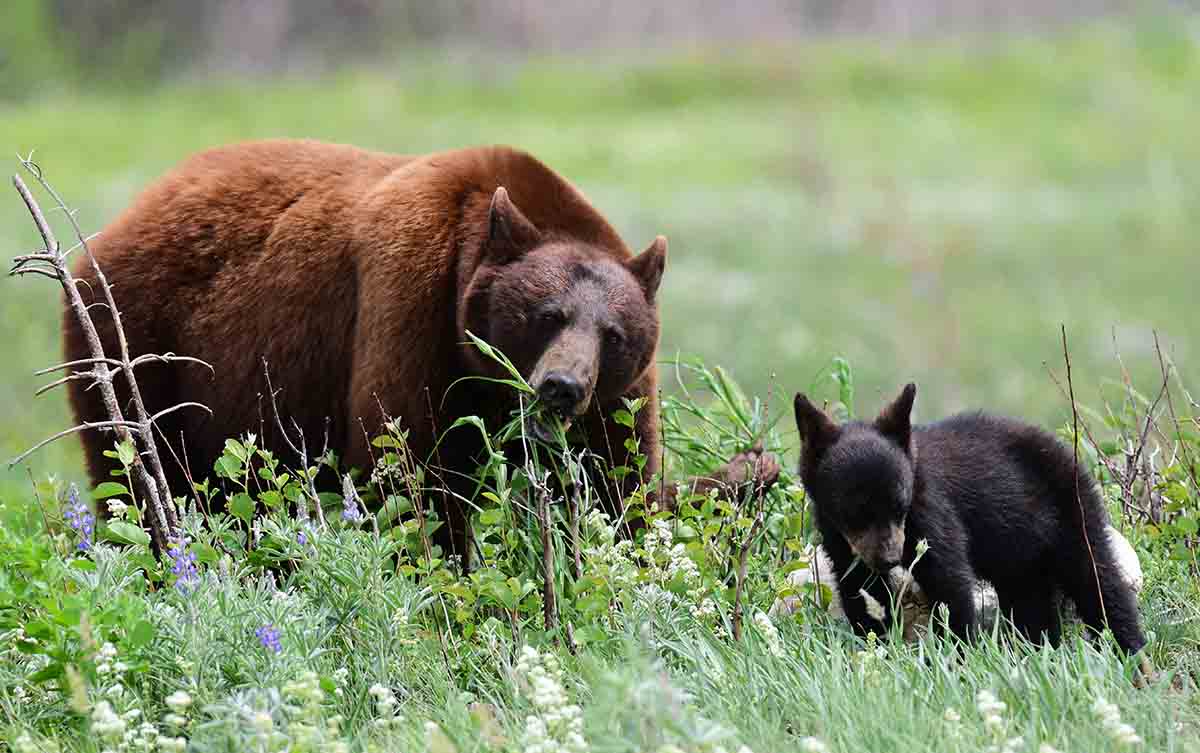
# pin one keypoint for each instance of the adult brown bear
(356, 275)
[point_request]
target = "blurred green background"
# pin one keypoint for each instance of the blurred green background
(929, 198)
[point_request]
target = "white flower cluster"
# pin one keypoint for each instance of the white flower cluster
(769, 632)
(557, 727)
(1110, 718)
(871, 658)
(385, 705)
(992, 710)
(128, 731)
(668, 562)
(953, 721)
(609, 559)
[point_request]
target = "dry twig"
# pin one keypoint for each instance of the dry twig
(52, 261)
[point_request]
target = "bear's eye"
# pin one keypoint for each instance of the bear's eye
(552, 317)
(613, 337)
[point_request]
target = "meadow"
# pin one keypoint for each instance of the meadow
(929, 211)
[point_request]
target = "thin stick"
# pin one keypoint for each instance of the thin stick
(1078, 497)
(130, 426)
(549, 599)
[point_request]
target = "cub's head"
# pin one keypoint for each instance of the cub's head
(578, 322)
(860, 476)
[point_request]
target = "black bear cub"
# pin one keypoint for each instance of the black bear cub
(995, 498)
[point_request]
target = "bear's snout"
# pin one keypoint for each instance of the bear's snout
(562, 392)
(880, 548)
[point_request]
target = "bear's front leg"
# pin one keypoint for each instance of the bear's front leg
(947, 578)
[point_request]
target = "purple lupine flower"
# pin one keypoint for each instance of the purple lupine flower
(301, 538)
(80, 518)
(183, 565)
(350, 507)
(268, 636)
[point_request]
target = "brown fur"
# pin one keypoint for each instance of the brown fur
(354, 274)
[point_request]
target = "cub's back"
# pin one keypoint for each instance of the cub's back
(1009, 481)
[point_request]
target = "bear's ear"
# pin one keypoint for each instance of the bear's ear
(648, 267)
(895, 421)
(817, 431)
(510, 233)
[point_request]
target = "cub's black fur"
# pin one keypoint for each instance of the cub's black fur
(997, 499)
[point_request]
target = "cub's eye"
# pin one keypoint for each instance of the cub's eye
(613, 337)
(552, 317)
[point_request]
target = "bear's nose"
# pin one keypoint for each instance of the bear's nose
(562, 392)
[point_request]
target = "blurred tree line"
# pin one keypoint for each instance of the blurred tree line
(131, 43)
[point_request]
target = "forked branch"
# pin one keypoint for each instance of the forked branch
(147, 471)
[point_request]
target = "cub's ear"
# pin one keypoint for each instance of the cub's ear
(648, 267)
(895, 421)
(510, 233)
(817, 431)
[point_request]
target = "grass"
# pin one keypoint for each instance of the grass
(932, 212)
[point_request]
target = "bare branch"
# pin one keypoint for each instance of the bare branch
(173, 408)
(70, 378)
(34, 271)
(1078, 497)
(127, 425)
(169, 358)
(39, 219)
(72, 364)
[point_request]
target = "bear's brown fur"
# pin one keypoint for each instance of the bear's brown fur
(356, 275)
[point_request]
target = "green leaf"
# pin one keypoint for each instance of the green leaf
(624, 418)
(491, 517)
(242, 506)
(141, 634)
(127, 533)
(126, 452)
(108, 489)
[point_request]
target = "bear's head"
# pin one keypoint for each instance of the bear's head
(859, 476)
(578, 320)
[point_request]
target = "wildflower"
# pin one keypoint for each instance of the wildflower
(558, 724)
(385, 700)
(106, 723)
(875, 610)
(1110, 718)
(174, 720)
(988, 706)
(705, 609)
(117, 508)
(25, 744)
(812, 745)
(301, 538)
(350, 509)
(172, 744)
(953, 723)
(262, 722)
(81, 520)
(268, 636)
(770, 632)
(104, 658)
(183, 565)
(179, 701)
